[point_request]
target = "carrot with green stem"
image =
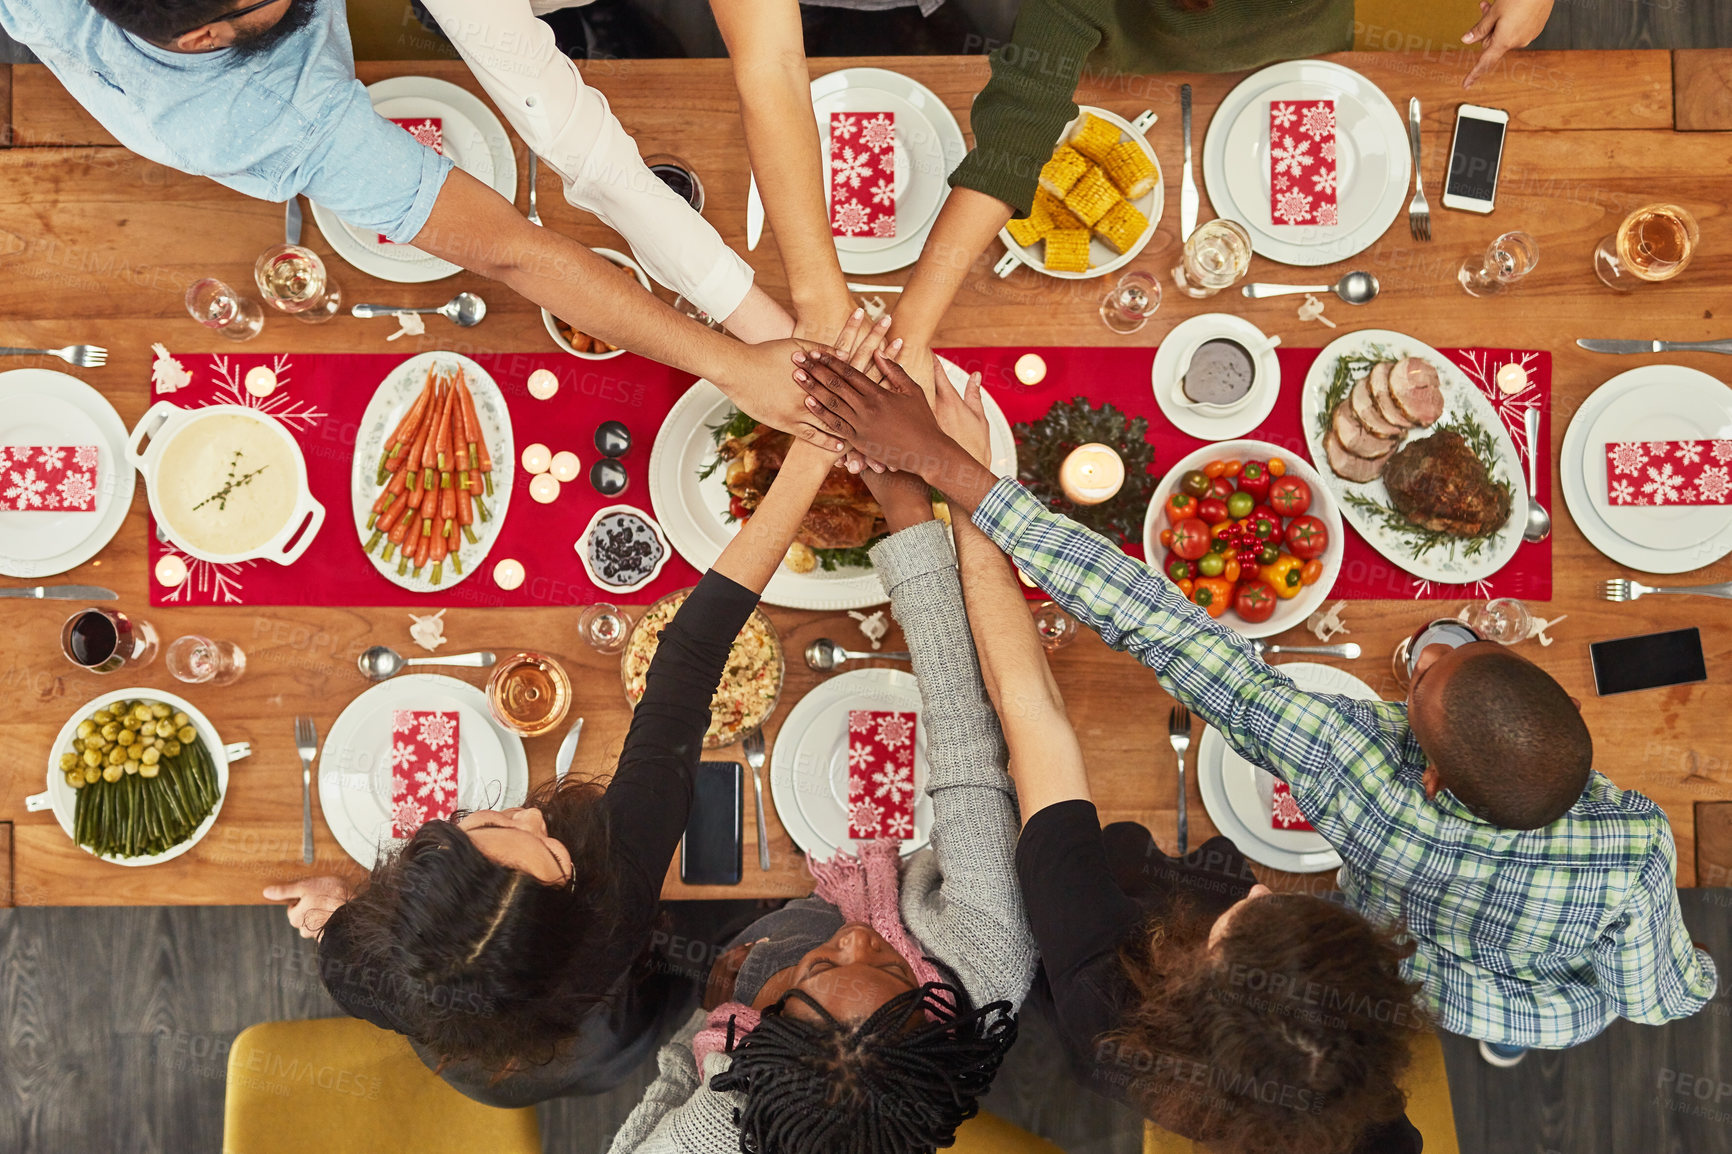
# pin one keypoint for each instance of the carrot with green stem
(410, 527)
(430, 450)
(481, 458)
(406, 427)
(423, 549)
(436, 554)
(466, 513)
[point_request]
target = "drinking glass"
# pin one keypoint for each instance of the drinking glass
(215, 305)
(1510, 257)
(293, 280)
(1131, 303)
(198, 660)
(529, 693)
(1654, 243)
(1057, 628)
(604, 627)
(104, 640)
(679, 176)
(1216, 257)
(1504, 620)
(1449, 631)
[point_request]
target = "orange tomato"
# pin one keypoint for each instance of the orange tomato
(1166, 536)
(1313, 569)
(1186, 586)
(1234, 468)
(1277, 467)
(1214, 469)
(1230, 572)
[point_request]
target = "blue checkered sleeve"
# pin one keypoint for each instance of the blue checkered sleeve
(1645, 962)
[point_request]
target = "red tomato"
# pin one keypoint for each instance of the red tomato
(1190, 538)
(1213, 510)
(1254, 601)
(1254, 479)
(1221, 487)
(1307, 537)
(1179, 506)
(1264, 510)
(737, 510)
(1290, 496)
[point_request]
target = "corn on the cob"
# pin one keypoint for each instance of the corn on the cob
(1057, 213)
(1129, 167)
(1122, 226)
(1067, 250)
(1093, 137)
(1061, 173)
(1092, 196)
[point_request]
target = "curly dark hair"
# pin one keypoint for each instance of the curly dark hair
(473, 959)
(883, 1086)
(1289, 1036)
(161, 21)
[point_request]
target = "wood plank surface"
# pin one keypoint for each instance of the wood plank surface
(1702, 89)
(99, 245)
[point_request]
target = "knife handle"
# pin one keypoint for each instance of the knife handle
(1696, 346)
(1185, 116)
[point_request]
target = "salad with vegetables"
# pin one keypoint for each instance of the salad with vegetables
(1240, 537)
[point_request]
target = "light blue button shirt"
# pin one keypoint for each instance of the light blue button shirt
(289, 120)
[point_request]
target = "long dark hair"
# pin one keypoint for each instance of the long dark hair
(472, 959)
(879, 1087)
(1290, 1036)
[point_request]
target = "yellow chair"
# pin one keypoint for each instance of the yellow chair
(989, 1134)
(1428, 1107)
(1403, 26)
(344, 1086)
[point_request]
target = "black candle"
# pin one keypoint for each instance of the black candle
(612, 439)
(608, 476)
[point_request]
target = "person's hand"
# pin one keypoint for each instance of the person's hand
(889, 422)
(962, 416)
(315, 900)
(820, 323)
(1504, 24)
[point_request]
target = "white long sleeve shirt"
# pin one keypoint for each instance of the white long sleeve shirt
(570, 127)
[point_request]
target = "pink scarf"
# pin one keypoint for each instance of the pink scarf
(866, 889)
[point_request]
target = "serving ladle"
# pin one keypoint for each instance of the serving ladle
(825, 655)
(463, 310)
(1356, 288)
(381, 661)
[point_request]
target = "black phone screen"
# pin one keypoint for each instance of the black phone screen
(1474, 159)
(1648, 662)
(710, 849)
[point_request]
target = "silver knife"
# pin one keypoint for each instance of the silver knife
(62, 593)
(1599, 346)
(567, 751)
(754, 216)
(1188, 189)
(292, 221)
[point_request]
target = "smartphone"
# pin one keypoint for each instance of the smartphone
(1474, 158)
(1648, 662)
(710, 851)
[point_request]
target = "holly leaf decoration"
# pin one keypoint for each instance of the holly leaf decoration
(1042, 446)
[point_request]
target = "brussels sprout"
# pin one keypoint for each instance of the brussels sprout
(112, 773)
(149, 769)
(141, 711)
(69, 761)
(116, 755)
(75, 779)
(102, 717)
(133, 766)
(181, 719)
(171, 748)
(125, 737)
(165, 728)
(86, 728)
(160, 711)
(93, 758)
(92, 774)
(151, 757)
(187, 735)
(78, 745)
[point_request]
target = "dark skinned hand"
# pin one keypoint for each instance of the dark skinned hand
(889, 422)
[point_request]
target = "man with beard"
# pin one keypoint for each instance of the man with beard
(261, 96)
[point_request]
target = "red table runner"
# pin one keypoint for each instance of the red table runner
(320, 399)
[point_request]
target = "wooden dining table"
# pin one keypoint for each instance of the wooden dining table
(98, 245)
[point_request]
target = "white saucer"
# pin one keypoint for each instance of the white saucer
(1266, 388)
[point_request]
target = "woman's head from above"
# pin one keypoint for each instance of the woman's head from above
(470, 933)
(195, 26)
(848, 977)
(1279, 1027)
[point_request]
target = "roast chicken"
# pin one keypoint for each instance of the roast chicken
(842, 516)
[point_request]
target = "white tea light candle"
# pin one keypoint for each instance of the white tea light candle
(565, 466)
(536, 458)
(508, 574)
(543, 384)
(545, 488)
(1091, 474)
(1031, 368)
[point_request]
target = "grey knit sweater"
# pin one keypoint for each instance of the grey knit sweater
(960, 898)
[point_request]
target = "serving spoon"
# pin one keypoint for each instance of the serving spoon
(1356, 288)
(464, 310)
(381, 661)
(1539, 524)
(1349, 650)
(825, 655)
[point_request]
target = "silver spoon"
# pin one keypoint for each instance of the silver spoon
(463, 310)
(1349, 650)
(381, 661)
(1356, 288)
(825, 655)
(1539, 525)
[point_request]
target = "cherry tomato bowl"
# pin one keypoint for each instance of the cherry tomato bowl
(1292, 611)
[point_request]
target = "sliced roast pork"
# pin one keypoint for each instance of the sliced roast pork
(1383, 398)
(1417, 390)
(1347, 466)
(1356, 438)
(1365, 408)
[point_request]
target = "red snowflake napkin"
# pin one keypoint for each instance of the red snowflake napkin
(863, 174)
(48, 478)
(423, 767)
(429, 130)
(1302, 134)
(1284, 811)
(1669, 472)
(880, 773)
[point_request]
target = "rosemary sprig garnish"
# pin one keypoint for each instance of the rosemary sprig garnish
(1348, 369)
(221, 496)
(1424, 540)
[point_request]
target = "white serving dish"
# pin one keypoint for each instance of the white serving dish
(582, 547)
(623, 261)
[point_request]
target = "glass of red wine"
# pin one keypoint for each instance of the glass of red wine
(679, 176)
(104, 640)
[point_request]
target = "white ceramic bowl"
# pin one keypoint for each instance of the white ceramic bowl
(582, 547)
(623, 261)
(1295, 610)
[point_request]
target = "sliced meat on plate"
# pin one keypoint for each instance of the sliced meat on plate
(1356, 438)
(1383, 398)
(1365, 408)
(1347, 466)
(1417, 390)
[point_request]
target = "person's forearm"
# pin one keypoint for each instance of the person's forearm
(754, 554)
(759, 318)
(964, 228)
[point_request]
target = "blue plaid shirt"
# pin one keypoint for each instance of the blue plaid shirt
(1526, 937)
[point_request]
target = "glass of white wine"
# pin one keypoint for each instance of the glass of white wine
(215, 305)
(1216, 257)
(292, 279)
(1654, 243)
(1510, 257)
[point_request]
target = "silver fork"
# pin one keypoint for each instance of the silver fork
(307, 745)
(84, 356)
(754, 748)
(1418, 211)
(534, 213)
(1179, 733)
(1623, 589)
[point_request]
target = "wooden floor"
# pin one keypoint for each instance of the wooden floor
(116, 1023)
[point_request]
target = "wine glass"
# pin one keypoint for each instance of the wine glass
(604, 627)
(1448, 631)
(679, 176)
(292, 279)
(529, 693)
(215, 305)
(198, 660)
(104, 640)
(1510, 257)
(1131, 303)
(1216, 256)
(1654, 243)
(1057, 628)
(1504, 620)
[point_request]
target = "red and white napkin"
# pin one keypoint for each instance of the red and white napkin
(429, 130)
(423, 767)
(1284, 811)
(48, 478)
(863, 174)
(880, 773)
(1302, 162)
(1669, 472)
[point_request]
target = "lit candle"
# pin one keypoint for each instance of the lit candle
(1031, 368)
(508, 574)
(1091, 474)
(170, 570)
(545, 488)
(536, 458)
(1511, 379)
(543, 384)
(565, 466)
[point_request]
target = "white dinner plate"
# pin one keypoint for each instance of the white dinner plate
(1237, 793)
(355, 769)
(693, 510)
(390, 401)
(1581, 470)
(809, 765)
(1194, 422)
(1674, 404)
(1444, 563)
(480, 141)
(44, 407)
(1374, 163)
(928, 141)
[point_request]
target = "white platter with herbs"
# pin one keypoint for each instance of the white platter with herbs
(1428, 553)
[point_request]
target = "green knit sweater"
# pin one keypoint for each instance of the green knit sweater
(1019, 114)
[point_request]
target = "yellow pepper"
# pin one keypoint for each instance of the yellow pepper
(1283, 575)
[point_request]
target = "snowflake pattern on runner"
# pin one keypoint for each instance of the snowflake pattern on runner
(402, 755)
(85, 456)
(863, 178)
(895, 729)
(881, 773)
(1282, 115)
(1675, 472)
(893, 783)
(851, 218)
(24, 489)
(1690, 452)
(48, 478)
(1302, 134)
(50, 456)
(1292, 156)
(423, 761)
(76, 491)
(1292, 207)
(1623, 493)
(1722, 450)
(1713, 484)
(860, 757)
(437, 781)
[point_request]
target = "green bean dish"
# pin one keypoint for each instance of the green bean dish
(143, 776)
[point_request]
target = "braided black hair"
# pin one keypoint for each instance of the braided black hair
(880, 1087)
